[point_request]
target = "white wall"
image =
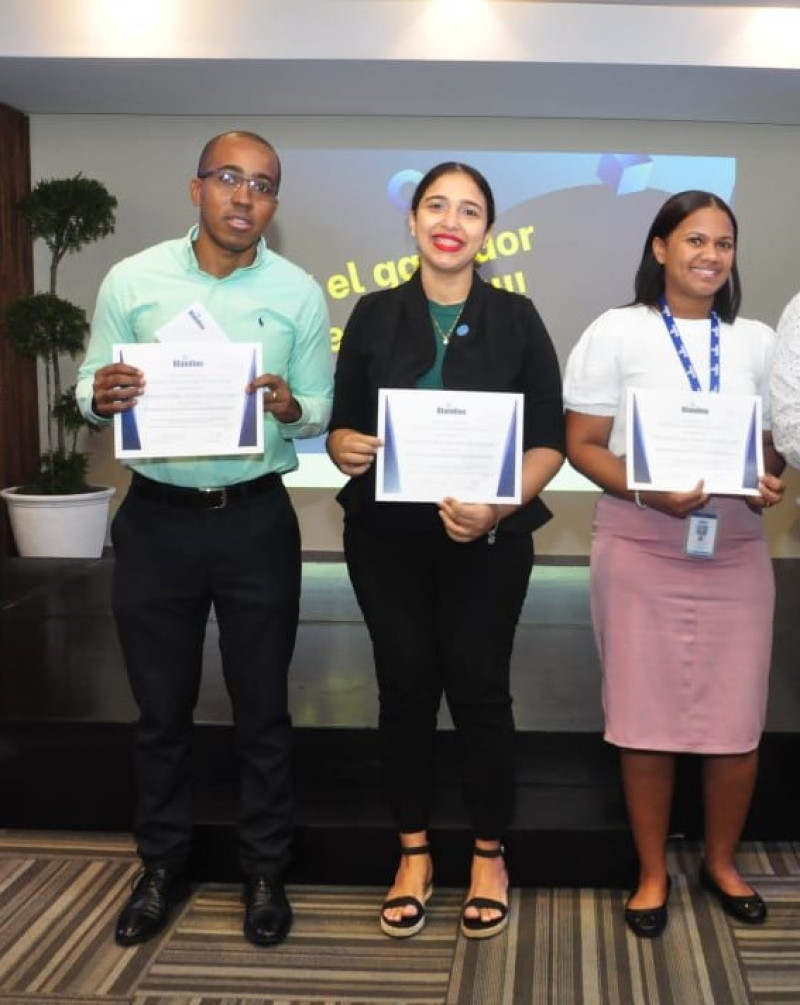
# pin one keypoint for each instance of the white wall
(146, 162)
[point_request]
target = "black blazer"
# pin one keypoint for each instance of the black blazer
(389, 342)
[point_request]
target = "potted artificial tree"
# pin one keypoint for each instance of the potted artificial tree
(56, 513)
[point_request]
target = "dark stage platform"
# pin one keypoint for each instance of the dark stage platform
(66, 714)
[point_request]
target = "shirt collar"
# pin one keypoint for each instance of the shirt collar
(191, 257)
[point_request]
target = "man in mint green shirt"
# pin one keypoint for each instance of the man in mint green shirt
(193, 532)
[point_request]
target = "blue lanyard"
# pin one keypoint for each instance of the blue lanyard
(683, 352)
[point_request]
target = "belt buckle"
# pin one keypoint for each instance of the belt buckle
(223, 497)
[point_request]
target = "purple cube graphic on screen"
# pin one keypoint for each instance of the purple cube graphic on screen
(625, 173)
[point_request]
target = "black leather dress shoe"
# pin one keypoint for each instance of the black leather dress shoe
(148, 907)
(648, 922)
(267, 914)
(750, 909)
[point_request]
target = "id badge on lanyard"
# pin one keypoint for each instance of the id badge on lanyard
(701, 535)
(701, 527)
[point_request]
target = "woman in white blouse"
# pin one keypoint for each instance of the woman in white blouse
(684, 641)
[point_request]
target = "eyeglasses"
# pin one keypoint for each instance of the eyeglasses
(261, 188)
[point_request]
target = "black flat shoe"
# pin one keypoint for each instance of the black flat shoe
(267, 914)
(750, 909)
(648, 922)
(147, 910)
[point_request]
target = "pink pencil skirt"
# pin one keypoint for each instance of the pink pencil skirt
(685, 643)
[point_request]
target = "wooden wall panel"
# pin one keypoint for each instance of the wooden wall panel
(19, 424)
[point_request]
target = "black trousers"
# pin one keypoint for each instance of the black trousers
(172, 564)
(442, 618)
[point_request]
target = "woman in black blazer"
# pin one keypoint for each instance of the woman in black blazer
(442, 586)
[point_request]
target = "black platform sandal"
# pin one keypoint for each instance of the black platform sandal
(411, 924)
(475, 928)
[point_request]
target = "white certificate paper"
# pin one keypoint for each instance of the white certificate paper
(675, 439)
(464, 444)
(194, 403)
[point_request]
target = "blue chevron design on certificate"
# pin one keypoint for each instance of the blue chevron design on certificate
(248, 435)
(641, 469)
(129, 427)
(391, 469)
(750, 472)
(507, 483)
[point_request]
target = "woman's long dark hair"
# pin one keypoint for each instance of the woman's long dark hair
(649, 282)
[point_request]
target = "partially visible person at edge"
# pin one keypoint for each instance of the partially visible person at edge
(196, 532)
(441, 586)
(684, 642)
(785, 384)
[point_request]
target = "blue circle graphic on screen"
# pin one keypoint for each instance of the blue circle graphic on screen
(401, 187)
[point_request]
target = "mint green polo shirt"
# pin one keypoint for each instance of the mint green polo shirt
(271, 301)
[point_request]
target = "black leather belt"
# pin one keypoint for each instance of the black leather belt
(214, 498)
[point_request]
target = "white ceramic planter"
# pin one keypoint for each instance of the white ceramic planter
(72, 526)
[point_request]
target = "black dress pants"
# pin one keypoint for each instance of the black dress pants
(442, 618)
(172, 564)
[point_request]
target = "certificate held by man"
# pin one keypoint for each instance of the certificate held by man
(463, 444)
(195, 403)
(674, 440)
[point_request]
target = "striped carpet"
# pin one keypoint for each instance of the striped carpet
(60, 894)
